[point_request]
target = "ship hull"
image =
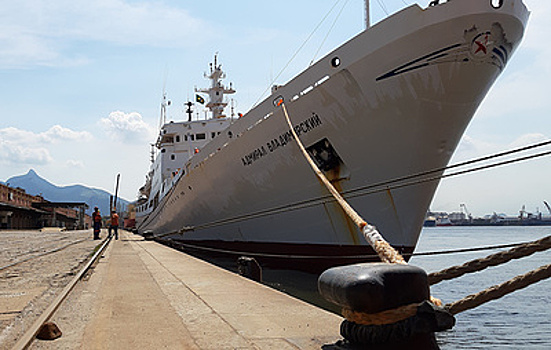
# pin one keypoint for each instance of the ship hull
(392, 102)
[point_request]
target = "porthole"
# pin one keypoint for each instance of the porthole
(496, 3)
(335, 62)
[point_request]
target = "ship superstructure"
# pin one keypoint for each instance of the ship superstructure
(178, 142)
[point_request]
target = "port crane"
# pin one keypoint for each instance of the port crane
(463, 208)
(548, 207)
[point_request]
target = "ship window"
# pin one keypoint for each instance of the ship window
(172, 156)
(192, 137)
(212, 135)
(177, 138)
(307, 90)
(163, 150)
(201, 136)
(335, 62)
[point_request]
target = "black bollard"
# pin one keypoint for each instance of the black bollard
(250, 268)
(369, 289)
(148, 235)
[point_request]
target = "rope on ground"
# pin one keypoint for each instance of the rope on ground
(491, 260)
(380, 245)
(496, 292)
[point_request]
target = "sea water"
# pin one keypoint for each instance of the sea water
(521, 320)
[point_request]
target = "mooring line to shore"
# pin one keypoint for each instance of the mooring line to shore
(385, 251)
(491, 260)
(498, 291)
(388, 254)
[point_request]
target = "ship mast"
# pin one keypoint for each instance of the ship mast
(217, 90)
(164, 104)
(367, 17)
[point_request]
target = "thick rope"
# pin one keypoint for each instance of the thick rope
(381, 318)
(380, 245)
(491, 260)
(390, 255)
(386, 316)
(496, 292)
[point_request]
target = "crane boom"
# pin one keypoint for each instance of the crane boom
(547, 205)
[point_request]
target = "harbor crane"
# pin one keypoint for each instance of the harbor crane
(463, 208)
(547, 205)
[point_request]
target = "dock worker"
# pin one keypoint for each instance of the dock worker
(115, 223)
(96, 221)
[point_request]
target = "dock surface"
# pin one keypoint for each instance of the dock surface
(143, 295)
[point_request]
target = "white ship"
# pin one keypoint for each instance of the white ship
(391, 102)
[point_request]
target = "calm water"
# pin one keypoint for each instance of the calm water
(521, 320)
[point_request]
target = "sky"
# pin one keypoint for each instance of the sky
(81, 84)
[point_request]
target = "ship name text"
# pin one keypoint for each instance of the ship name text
(282, 140)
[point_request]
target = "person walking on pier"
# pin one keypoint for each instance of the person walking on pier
(96, 218)
(115, 223)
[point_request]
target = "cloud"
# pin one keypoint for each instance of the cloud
(19, 146)
(127, 127)
(471, 148)
(71, 163)
(11, 153)
(528, 139)
(55, 134)
(45, 33)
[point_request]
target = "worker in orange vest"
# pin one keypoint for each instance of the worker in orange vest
(96, 221)
(115, 223)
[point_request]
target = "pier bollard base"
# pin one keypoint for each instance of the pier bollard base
(418, 342)
(429, 319)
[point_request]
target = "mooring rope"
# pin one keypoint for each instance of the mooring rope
(388, 254)
(380, 245)
(498, 291)
(383, 317)
(491, 260)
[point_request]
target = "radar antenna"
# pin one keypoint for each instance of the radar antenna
(217, 90)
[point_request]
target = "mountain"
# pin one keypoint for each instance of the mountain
(33, 184)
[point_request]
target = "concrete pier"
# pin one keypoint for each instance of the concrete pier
(143, 295)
